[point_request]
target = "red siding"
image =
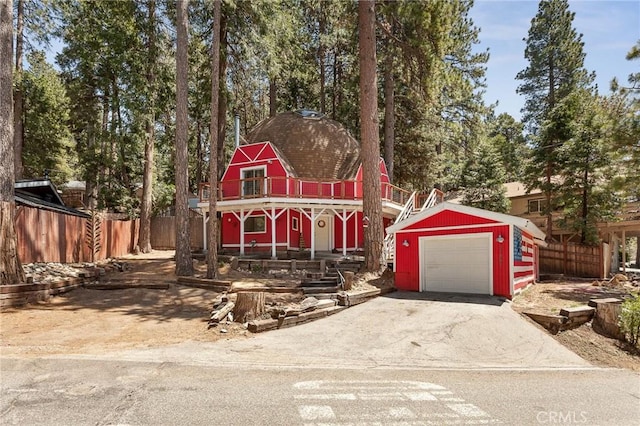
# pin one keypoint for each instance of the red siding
(250, 156)
(231, 231)
(449, 218)
(408, 264)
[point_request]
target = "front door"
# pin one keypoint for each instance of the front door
(323, 233)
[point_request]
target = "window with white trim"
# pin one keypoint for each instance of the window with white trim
(537, 205)
(255, 224)
(294, 223)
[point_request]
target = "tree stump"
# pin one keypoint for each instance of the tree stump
(249, 306)
(348, 280)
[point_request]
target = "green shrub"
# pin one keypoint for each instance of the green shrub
(630, 320)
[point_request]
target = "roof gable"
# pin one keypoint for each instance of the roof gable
(447, 218)
(259, 153)
(458, 214)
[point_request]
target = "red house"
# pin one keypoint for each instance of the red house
(295, 184)
(460, 249)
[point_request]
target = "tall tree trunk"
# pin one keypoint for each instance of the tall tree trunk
(321, 57)
(212, 230)
(550, 150)
(273, 99)
(18, 100)
(222, 103)
(335, 83)
(547, 196)
(585, 202)
(146, 206)
(200, 152)
(10, 269)
(184, 264)
(389, 116)
(372, 205)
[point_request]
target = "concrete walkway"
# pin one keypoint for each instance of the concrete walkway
(400, 330)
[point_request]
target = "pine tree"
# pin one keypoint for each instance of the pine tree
(585, 168)
(372, 206)
(212, 230)
(10, 269)
(483, 179)
(184, 263)
(556, 68)
(48, 144)
(506, 135)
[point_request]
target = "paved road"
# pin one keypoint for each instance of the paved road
(397, 360)
(70, 392)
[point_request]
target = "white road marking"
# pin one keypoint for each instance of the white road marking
(315, 412)
(336, 396)
(420, 396)
(376, 403)
(467, 410)
(401, 413)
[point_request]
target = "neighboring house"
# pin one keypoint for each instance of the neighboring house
(295, 184)
(42, 194)
(531, 205)
(459, 249)
(74, 194)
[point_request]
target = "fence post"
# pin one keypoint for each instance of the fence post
(564, 256)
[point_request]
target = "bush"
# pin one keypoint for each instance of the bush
(630, 320)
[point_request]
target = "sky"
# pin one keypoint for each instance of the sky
(609, 27)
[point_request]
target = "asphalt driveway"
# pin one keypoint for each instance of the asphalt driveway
(400, 330)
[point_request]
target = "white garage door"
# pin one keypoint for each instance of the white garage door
(456, 263)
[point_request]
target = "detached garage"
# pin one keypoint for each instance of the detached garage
(461, 249)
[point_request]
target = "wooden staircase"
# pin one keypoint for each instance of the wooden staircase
(410, 208)
(323, 285)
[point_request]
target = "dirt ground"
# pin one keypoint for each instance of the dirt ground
(550, 297)
(95, 321)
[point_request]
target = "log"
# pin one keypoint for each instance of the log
(249, 306)
(221, 313)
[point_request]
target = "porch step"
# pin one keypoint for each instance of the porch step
(319, 290)
(316, 284)
(323, 280)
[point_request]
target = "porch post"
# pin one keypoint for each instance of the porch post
(356, 230)
(624, 252)
(242, 232)
(273, 233)
(205, 219)
(313, 233)
(344, 232)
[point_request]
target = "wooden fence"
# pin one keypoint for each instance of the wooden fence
(574, 260)
(163, 233)
(46, 236)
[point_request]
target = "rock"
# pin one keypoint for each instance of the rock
(223, 330)
(606, 319)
